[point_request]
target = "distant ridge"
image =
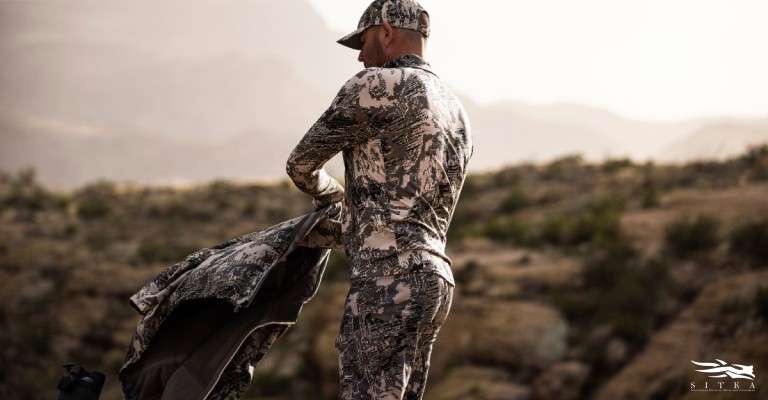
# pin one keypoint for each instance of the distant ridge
(191, 91)
(716, 142)
(75, 155)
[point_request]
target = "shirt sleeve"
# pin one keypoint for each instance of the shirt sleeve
(344, 123)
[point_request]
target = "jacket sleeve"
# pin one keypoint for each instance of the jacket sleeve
(344, 124)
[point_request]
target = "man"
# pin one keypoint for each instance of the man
(406, 142)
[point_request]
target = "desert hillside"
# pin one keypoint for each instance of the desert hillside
(575, 280)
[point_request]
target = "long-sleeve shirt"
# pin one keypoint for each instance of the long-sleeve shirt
(406, 143)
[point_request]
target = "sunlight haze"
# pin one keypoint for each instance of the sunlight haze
(651, 60)
(127, 90)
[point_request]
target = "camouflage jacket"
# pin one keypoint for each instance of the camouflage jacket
(209, 318)
(406, 142)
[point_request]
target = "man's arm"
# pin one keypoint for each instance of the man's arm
(344, 124)
(305, 164)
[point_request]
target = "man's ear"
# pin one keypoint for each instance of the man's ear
(387, 33)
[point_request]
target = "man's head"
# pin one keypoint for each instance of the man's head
(389, 29)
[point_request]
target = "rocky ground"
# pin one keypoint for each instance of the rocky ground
(574, 280)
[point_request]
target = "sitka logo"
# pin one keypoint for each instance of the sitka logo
(733, 371)
(722, 369)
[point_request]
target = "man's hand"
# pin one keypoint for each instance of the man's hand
(333, 194)
(327, 233)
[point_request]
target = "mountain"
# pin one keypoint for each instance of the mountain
(504, 135)
(191, 70)
(541, 132)
(716, 142)
(628, 137)
(125, 91)
(187, 91)
(71, 154)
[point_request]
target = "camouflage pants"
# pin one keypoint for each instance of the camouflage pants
(386, 336)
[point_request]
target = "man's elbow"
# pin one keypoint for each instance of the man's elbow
(293, 169)
(290, 168)
(300, 174)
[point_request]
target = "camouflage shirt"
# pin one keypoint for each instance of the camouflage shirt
(406, 142)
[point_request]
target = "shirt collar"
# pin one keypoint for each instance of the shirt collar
(409, 61)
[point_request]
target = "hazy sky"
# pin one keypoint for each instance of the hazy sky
(652, 59)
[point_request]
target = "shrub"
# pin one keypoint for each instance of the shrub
(68, 231)
(761, 302)
(515, 200)
(609, 204)
(603, 271)
(618, 290)
(611, 166)
(462, 215)
(751, 240)
(220, 192)
(458, 232)
(26, 177)
(184, 210)
(557, 230)
(24, 192)
(460, 222)
(565, 167)
(550, 196)
(599, 224)
(151, 251)
(711, 173)
(95, 201)
(505, 177)
(98, 240)
(93, 208)
(756, 155)
(684, 236)
(756, 159)
(651, 194)
(507, 230)
(466, 274)
(249, 209)
(471, 188)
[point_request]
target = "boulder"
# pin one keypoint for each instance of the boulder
(476, 383)
(561, 381)
(519, 335)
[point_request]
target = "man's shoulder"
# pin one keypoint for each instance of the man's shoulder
(381, 77)
(394, 71)
(376, 83)
(380, 86)
(376, 74)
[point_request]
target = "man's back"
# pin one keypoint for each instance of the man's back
(403, 180)
(406, 143)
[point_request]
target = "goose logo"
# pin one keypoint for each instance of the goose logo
(722, 369)
(726, 370)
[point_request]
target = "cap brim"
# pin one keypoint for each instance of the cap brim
(353, 39)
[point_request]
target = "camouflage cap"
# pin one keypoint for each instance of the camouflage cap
(399, 13)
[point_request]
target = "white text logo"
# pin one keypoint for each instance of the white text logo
(722, 369)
